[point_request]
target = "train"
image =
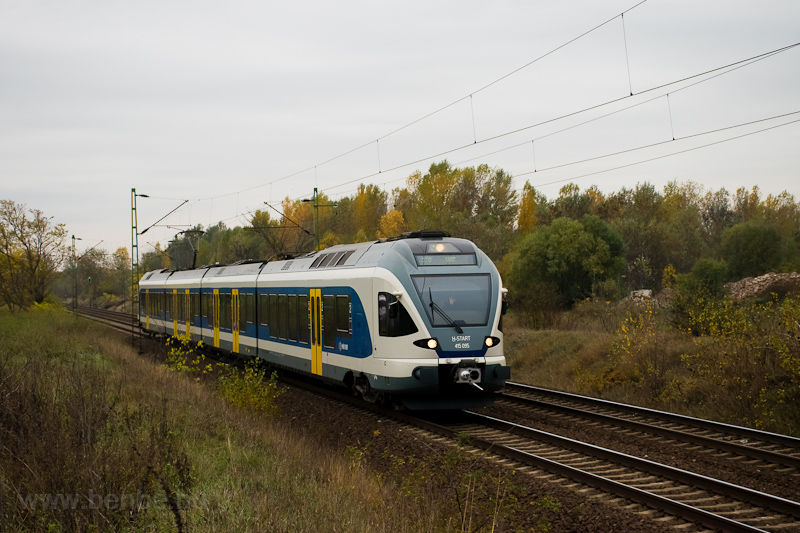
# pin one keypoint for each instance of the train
(414, 320)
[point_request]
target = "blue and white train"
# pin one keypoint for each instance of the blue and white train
(416, 319)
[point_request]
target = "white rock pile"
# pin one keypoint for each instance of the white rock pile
(764, 286)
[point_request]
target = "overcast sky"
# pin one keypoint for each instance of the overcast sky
(216, 102)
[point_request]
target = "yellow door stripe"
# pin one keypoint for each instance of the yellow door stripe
(215, 313)
(316, 341)
(235, 319)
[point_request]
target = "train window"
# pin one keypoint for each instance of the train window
(242, 301)
(344, 258)
(205, 300)
(449, 299)
(329, 321)
(263, 309)
(393, 318)
(181, 308)
(251, 308)
(336, 258)
(344, 326)
(195, 306)
(292, 317)
(225, 311)
(282, 316)
(302, 317)
(273, 314)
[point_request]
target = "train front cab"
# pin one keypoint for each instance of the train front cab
(439, 325)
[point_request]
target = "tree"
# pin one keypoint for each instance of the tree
(570, 255)
(531, 198)
(32, 249)
(369, 205)
(751, 248)
(392, 224)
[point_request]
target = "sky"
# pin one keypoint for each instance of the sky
(232, 104)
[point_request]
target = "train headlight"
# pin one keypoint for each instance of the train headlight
(431, 344)
(491, 341)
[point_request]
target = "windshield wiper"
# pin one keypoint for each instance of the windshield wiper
(436, 307)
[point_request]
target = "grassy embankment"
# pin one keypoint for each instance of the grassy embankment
(717, 359)
(140, 447)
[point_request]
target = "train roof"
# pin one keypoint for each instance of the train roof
(383, 252)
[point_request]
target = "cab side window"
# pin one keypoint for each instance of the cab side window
(393, 319)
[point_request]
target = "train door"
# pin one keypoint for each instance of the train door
(175, 309)
(187, 313)
(235, 319)
(315, 309)
(147, 311)
(215, 314)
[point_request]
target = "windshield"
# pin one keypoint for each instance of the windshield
(464, 299)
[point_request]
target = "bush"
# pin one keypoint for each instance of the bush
(707, 275)
(250, 389)
(747, 361)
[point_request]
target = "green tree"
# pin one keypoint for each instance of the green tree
(570, 255)
(751, 248)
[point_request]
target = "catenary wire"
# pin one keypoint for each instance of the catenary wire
(658, 157)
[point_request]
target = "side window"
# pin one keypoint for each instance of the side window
(329, 321)
(282, 316)
(225, 310)
(344, 321)
(251, 308)
(292, 333)
(393, 319)
(242, 325)
(263, 309)
(195, 306)
(302, 317)
(273, 316)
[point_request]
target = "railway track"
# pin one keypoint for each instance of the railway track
(667, 493)
(124, 322)
(675, 497)
(780, 452)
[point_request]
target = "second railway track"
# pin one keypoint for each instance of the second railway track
(780, 451)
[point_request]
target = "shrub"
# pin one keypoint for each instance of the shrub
(250, 389)
(747, 361)
(182, 357)
(707, 275)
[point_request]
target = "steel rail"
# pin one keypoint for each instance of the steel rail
(737, 431)
(691, 438)
(774, 503)
(650, 500)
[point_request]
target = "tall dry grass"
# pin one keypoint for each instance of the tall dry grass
(82, 413)
(709, 357)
